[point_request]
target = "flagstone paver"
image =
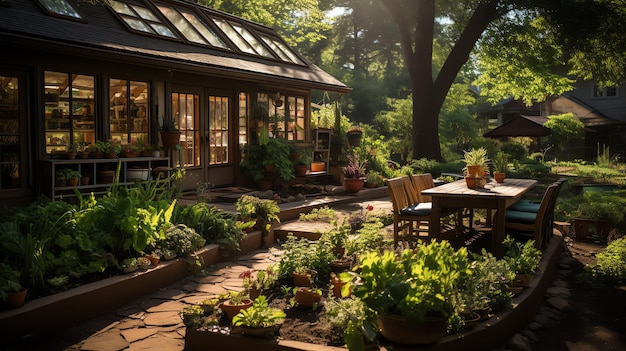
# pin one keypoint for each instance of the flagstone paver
(163, 318)
(166, 306)
(132, 335)
(111, 340)
(130, 323)
(167, 341)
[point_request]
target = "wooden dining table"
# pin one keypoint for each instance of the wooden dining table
(494, 196)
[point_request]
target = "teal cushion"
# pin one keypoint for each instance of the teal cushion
(525, 206)
(419, 209)
(520, 216)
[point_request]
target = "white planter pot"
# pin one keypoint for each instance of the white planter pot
(137, 174)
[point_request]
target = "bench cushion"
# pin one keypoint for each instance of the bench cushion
(520, 216)
(419, 209)
(525, 206)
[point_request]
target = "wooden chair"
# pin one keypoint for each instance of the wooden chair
(425, 181)
(408, 213)
(536, 225)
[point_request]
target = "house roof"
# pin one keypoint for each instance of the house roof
(531, 126)
(592, 117)
(102, 34)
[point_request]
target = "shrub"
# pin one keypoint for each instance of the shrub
(611, 262)
(517, 151)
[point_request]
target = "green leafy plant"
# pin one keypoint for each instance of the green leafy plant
(259, 315)
(413, 283)
(611, 263)
(302, 254)
(347, 318)
(168, 124)
(264, 279)
(183, 240)
(67, 173)
(355, 168)
(319, 214)
(263, 211)
(273, 151)
(374, 178)
(501, 162)
(9, 281)
(523, 258)
(475, 157)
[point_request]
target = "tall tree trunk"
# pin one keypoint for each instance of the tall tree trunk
(428, 94)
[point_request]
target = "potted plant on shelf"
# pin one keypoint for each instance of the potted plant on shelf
(96, 150)
(71, 152)
(67, 177)
(267, 160)
(301, 165)
(112, 148)
(354, 134)
(354, 174)
(259, 319)
(475, 165)
(409, 295)
(500, 166)
(170, 135)
(523, 258)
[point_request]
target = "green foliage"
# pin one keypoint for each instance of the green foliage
(517, 151)
(9, 281)
(182, 239)
(488, 283)
(564, 129)
(347, 318)
(66, 174)
(501, 162)
(273, 151)
(213, 225)
(413, 283)
(523, 258)
(321, 214)
(259, 315)
(302, 254)
(611, 263)
(425, 165)
(475, 157)
(369, 238)
(263, 211)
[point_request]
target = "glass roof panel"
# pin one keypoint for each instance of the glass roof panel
(182, 25)
(292, 56)
(275, 48)
(60, 7)
(258, 47)
(234, 36)
(141, 19)
(205, 30)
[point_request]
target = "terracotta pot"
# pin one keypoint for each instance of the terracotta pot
(260, 332)
(340, 265)
(484, 313)
(254, 293)
(307, 297)
(128, 154)
(84, 180)
(105, 177)
(110, 155)
(16, 299)
(96, 154)
(70, 155)
(396, 329)
(318, 166)
(265, 183)
(83, 154)
(153, 260)
(523, 280)
(146, 153)
(471, 319)
(300, 170)
(270, 168)
(303, 279)
(353, 185)
(581, 227)
(72, 182)
(170, 139)
(232, 310)
(499, 176)
(337, 286)
(476, 171)
(472, 182)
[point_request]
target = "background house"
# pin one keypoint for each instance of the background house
(76, 72)
(602, 111)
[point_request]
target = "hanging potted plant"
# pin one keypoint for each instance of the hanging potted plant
(475, 165)
(354, 174)
(354, 134)
(170, 135)
(500, 166)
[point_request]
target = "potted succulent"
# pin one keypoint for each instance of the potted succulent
(523, 258)
(500, 166)
(129, 265)
(170, 135)
(411, 291)
(259, 319)
(192, 315)
(475, 165)
(354, 173)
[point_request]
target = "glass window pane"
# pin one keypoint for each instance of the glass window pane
(181, 24)
(121, 8)
(11, 175)
(206, 32)
(258, 47)
(163, 30)
(145, 13)
(60, 7)
(234, 36)
(137, 25)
